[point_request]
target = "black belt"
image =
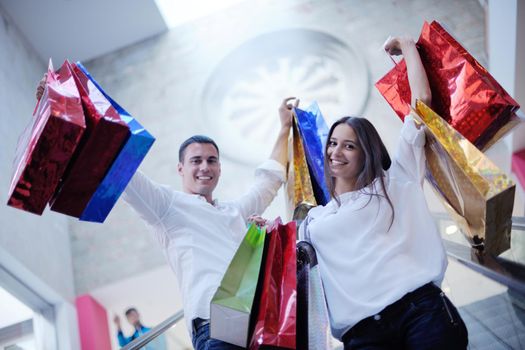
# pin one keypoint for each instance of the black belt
(393, 309)
(196, 323)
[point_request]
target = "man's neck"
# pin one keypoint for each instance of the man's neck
(207, 197)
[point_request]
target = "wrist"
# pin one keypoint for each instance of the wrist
(285, 130)
(406, 42)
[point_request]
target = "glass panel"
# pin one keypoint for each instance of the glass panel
(508, 268)
(489, 292)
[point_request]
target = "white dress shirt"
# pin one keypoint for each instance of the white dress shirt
(199, 239)
(365, 263)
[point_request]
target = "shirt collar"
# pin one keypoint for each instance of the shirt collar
(373, 188)
(214, 202)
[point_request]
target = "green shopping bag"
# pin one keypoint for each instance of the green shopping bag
(231, 306)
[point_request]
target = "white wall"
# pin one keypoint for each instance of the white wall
(34, 249)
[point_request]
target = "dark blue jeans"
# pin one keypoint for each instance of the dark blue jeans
(202, 341)
(424, 319)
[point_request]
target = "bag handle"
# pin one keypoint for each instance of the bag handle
(304, 234)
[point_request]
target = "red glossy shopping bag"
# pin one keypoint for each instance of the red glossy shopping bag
(48, 142)
(275, 325)
(105, 135)
(463, 92)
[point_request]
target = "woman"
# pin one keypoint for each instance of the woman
(380, 255)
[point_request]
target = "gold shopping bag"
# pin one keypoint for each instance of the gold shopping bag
(476, 193)
(299, 190)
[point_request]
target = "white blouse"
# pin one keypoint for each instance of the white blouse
(365, 263)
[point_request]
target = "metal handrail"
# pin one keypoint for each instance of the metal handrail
(154, 332)
(518, 222)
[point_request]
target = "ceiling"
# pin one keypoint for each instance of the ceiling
(83, 30)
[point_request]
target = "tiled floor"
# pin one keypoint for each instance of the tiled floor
(495, 323)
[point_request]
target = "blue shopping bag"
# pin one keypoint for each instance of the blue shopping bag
(314, 131)
(123, 167)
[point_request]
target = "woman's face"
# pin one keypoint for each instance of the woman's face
(345, 156)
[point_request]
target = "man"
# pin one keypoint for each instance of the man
(198, 234)
(133, 317)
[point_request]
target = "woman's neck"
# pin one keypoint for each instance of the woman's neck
(344, 187)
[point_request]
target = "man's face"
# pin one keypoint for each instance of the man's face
(200, 169)
(133, 318)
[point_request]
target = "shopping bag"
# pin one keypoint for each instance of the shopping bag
(46, 146)
(314, 131)
(123, 167)
(313, 324)
(463, 92)
(104, 137)
(476, 193)
(299, 190)
(231, 305)
(275, 324)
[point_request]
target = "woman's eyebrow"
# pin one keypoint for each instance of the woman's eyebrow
(347, 140)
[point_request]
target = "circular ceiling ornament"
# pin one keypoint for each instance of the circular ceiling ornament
(242, 95)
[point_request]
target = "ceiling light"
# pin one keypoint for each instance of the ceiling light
(177, 12)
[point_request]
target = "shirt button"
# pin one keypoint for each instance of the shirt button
(377, 317)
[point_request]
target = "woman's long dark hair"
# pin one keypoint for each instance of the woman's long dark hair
(375, 159)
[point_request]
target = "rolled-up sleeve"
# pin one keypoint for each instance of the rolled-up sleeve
(269, 177)
(410, 156)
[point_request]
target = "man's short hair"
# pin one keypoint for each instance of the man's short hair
(195, 139)
(130, 310)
